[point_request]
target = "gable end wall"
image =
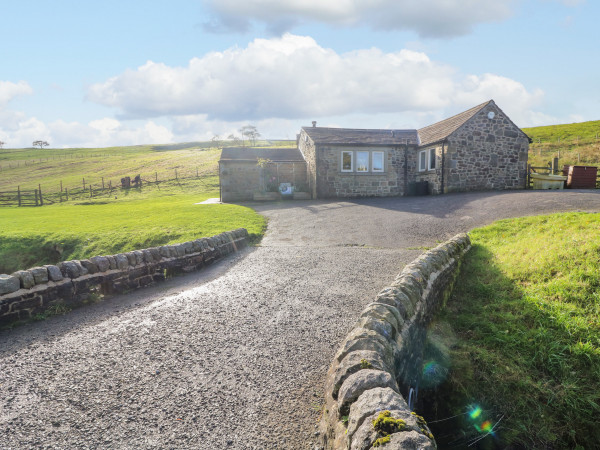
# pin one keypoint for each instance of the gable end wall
(486, 154)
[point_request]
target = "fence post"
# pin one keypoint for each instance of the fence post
(176, 174)
(84, 184)
(41, 199)
(19, 195)
(67, 194)
(36, 197)
(91, 192)
(156, 177)
(528, 175)
(196, 172)
(102, 183)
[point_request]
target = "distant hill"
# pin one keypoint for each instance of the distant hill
(585, 131)
(573, 143)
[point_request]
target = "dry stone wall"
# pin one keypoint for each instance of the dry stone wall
(26, 293)
(381, 358)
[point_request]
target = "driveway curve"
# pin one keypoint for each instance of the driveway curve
(234, 356)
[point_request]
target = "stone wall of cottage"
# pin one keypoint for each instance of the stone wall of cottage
(433, 177)
(381, 359)
(332, 182)
(486, 154)
(26, 293)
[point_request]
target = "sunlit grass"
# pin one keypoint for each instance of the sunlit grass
(526, 310)
(75, 230)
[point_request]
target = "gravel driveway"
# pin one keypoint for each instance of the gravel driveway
(234, 356)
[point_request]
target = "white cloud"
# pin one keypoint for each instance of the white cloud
(20, 131)
(428, 18)
(10, 90)
(292, 77)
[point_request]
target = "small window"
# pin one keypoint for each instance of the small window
(378, 162)
(432, 159)
(422, 160)
(347, 161)
(362, 161)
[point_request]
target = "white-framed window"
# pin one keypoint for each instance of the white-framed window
(427, 160)
(422, 160)
(347, 161)
(377, 162)
(362, 161)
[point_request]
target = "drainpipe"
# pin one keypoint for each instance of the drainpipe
(406, 169)
(442, 187)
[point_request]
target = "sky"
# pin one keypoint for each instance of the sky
(128, 72)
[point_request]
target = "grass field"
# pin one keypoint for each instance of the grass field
(125, 219)
(526, 318)
(29, 168)
(576, 143)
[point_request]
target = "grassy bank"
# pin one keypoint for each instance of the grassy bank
(526, 318)
(575, 143)
(75, 230)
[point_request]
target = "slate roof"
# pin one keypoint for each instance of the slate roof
(441, 130)
(278, 154)
(352, 136)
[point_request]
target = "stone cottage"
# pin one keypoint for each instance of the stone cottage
(479, 149)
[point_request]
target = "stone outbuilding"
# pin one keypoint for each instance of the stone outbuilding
(479, 149)
(246, 171)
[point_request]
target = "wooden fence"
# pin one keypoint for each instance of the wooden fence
(22, 198)
(100, 187)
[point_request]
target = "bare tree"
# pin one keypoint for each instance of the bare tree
(250, 132)
(2, 143)
(41, 144)
(216, 140)
(234, 138)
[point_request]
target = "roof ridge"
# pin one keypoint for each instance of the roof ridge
(475, 110)
(360, 129)
(441, 130)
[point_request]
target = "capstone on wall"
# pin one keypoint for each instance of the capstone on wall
(381, 359)
(486, 154)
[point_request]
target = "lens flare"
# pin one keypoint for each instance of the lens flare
(475, 413)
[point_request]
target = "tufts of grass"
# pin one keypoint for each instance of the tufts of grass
(525, 311)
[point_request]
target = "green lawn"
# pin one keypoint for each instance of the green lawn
(75, 230)
(118, 220)
(526, 315)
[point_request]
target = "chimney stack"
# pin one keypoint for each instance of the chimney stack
(314, 122)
